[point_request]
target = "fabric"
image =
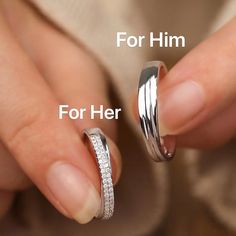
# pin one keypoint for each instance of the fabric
(143, 192)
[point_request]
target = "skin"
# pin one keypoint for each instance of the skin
(40, 67)
(206, 119)
(37, 75)
(210, 67)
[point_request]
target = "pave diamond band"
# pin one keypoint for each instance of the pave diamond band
(101, 150)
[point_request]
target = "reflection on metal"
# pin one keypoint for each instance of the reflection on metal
(160, 148)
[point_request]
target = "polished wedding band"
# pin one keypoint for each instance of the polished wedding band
(160, 148)
(101, 150)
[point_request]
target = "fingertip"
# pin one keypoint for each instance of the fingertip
(74, 191)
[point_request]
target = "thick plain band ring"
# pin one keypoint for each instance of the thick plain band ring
(160, 148)
(101, 150)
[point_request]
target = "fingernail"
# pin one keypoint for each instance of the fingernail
(74, 191)
(179, 105)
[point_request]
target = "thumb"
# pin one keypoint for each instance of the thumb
(201, 85)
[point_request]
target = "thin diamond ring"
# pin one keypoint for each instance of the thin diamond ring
(101, 150)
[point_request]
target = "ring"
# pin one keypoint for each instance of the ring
(160, 148)
(101, 150)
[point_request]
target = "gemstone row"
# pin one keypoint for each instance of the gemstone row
(104, 165)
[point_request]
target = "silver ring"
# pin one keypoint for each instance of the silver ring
(160, 148)
(102, 154)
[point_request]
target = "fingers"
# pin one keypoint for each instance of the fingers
(78, 82)
(66, 173)
(72, 73)
(201, 85)
(197, 97)
(48, 150)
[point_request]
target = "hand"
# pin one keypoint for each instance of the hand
(41, 67)
(198, 96)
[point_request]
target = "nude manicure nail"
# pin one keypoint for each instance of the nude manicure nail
(179, 105)
(74, 191)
